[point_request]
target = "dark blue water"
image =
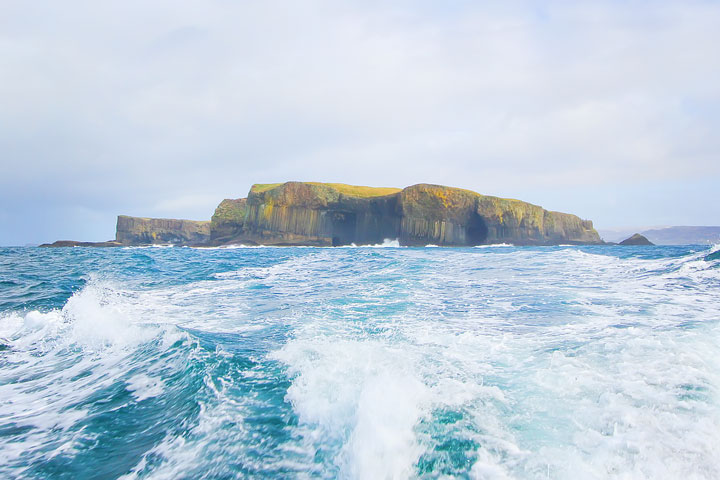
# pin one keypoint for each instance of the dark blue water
(372, 363)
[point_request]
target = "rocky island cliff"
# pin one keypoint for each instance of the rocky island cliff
(329, 214)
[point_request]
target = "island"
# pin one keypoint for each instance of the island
(637, 240)
(334, 214)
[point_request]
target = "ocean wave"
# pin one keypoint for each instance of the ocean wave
(361, 363)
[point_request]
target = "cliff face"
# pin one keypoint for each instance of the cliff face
(148, 231)
(433, 214)
(228, 220)
(330, 214)
(301, 213)
(521, 223)
(319, 214)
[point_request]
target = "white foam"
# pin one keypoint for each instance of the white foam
(140, 247)
(143, 386)
(364, 395)
(387, 243)
(9, 324)
(234, 247)
(558, 363)
(98, 319)
(578, 397)
(64, 357)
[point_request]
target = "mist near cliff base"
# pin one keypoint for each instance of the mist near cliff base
(607, 111)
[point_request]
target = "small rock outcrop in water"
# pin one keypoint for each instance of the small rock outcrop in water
(636, 239)
(73, 243)
(330, 214)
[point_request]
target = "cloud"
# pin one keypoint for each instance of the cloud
(159, 108)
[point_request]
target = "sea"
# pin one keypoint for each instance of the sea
(498, 362)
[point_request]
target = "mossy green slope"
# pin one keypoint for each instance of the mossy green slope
(228, 220)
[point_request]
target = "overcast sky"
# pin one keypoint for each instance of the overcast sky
(607, 109)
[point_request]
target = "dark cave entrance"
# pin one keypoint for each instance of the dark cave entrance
(343, 228)
(477, 231)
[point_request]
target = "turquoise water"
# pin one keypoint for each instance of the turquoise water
(369, 363)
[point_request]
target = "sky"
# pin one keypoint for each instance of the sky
(608, 109)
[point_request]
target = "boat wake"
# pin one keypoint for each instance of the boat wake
(590, 362)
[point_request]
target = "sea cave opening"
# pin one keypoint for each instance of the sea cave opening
(477, 231)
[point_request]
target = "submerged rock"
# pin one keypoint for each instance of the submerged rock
(636, 239)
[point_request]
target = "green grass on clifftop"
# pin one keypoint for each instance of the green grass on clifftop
(349, 190)
(263, 187)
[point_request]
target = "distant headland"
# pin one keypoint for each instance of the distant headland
(333, 214)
